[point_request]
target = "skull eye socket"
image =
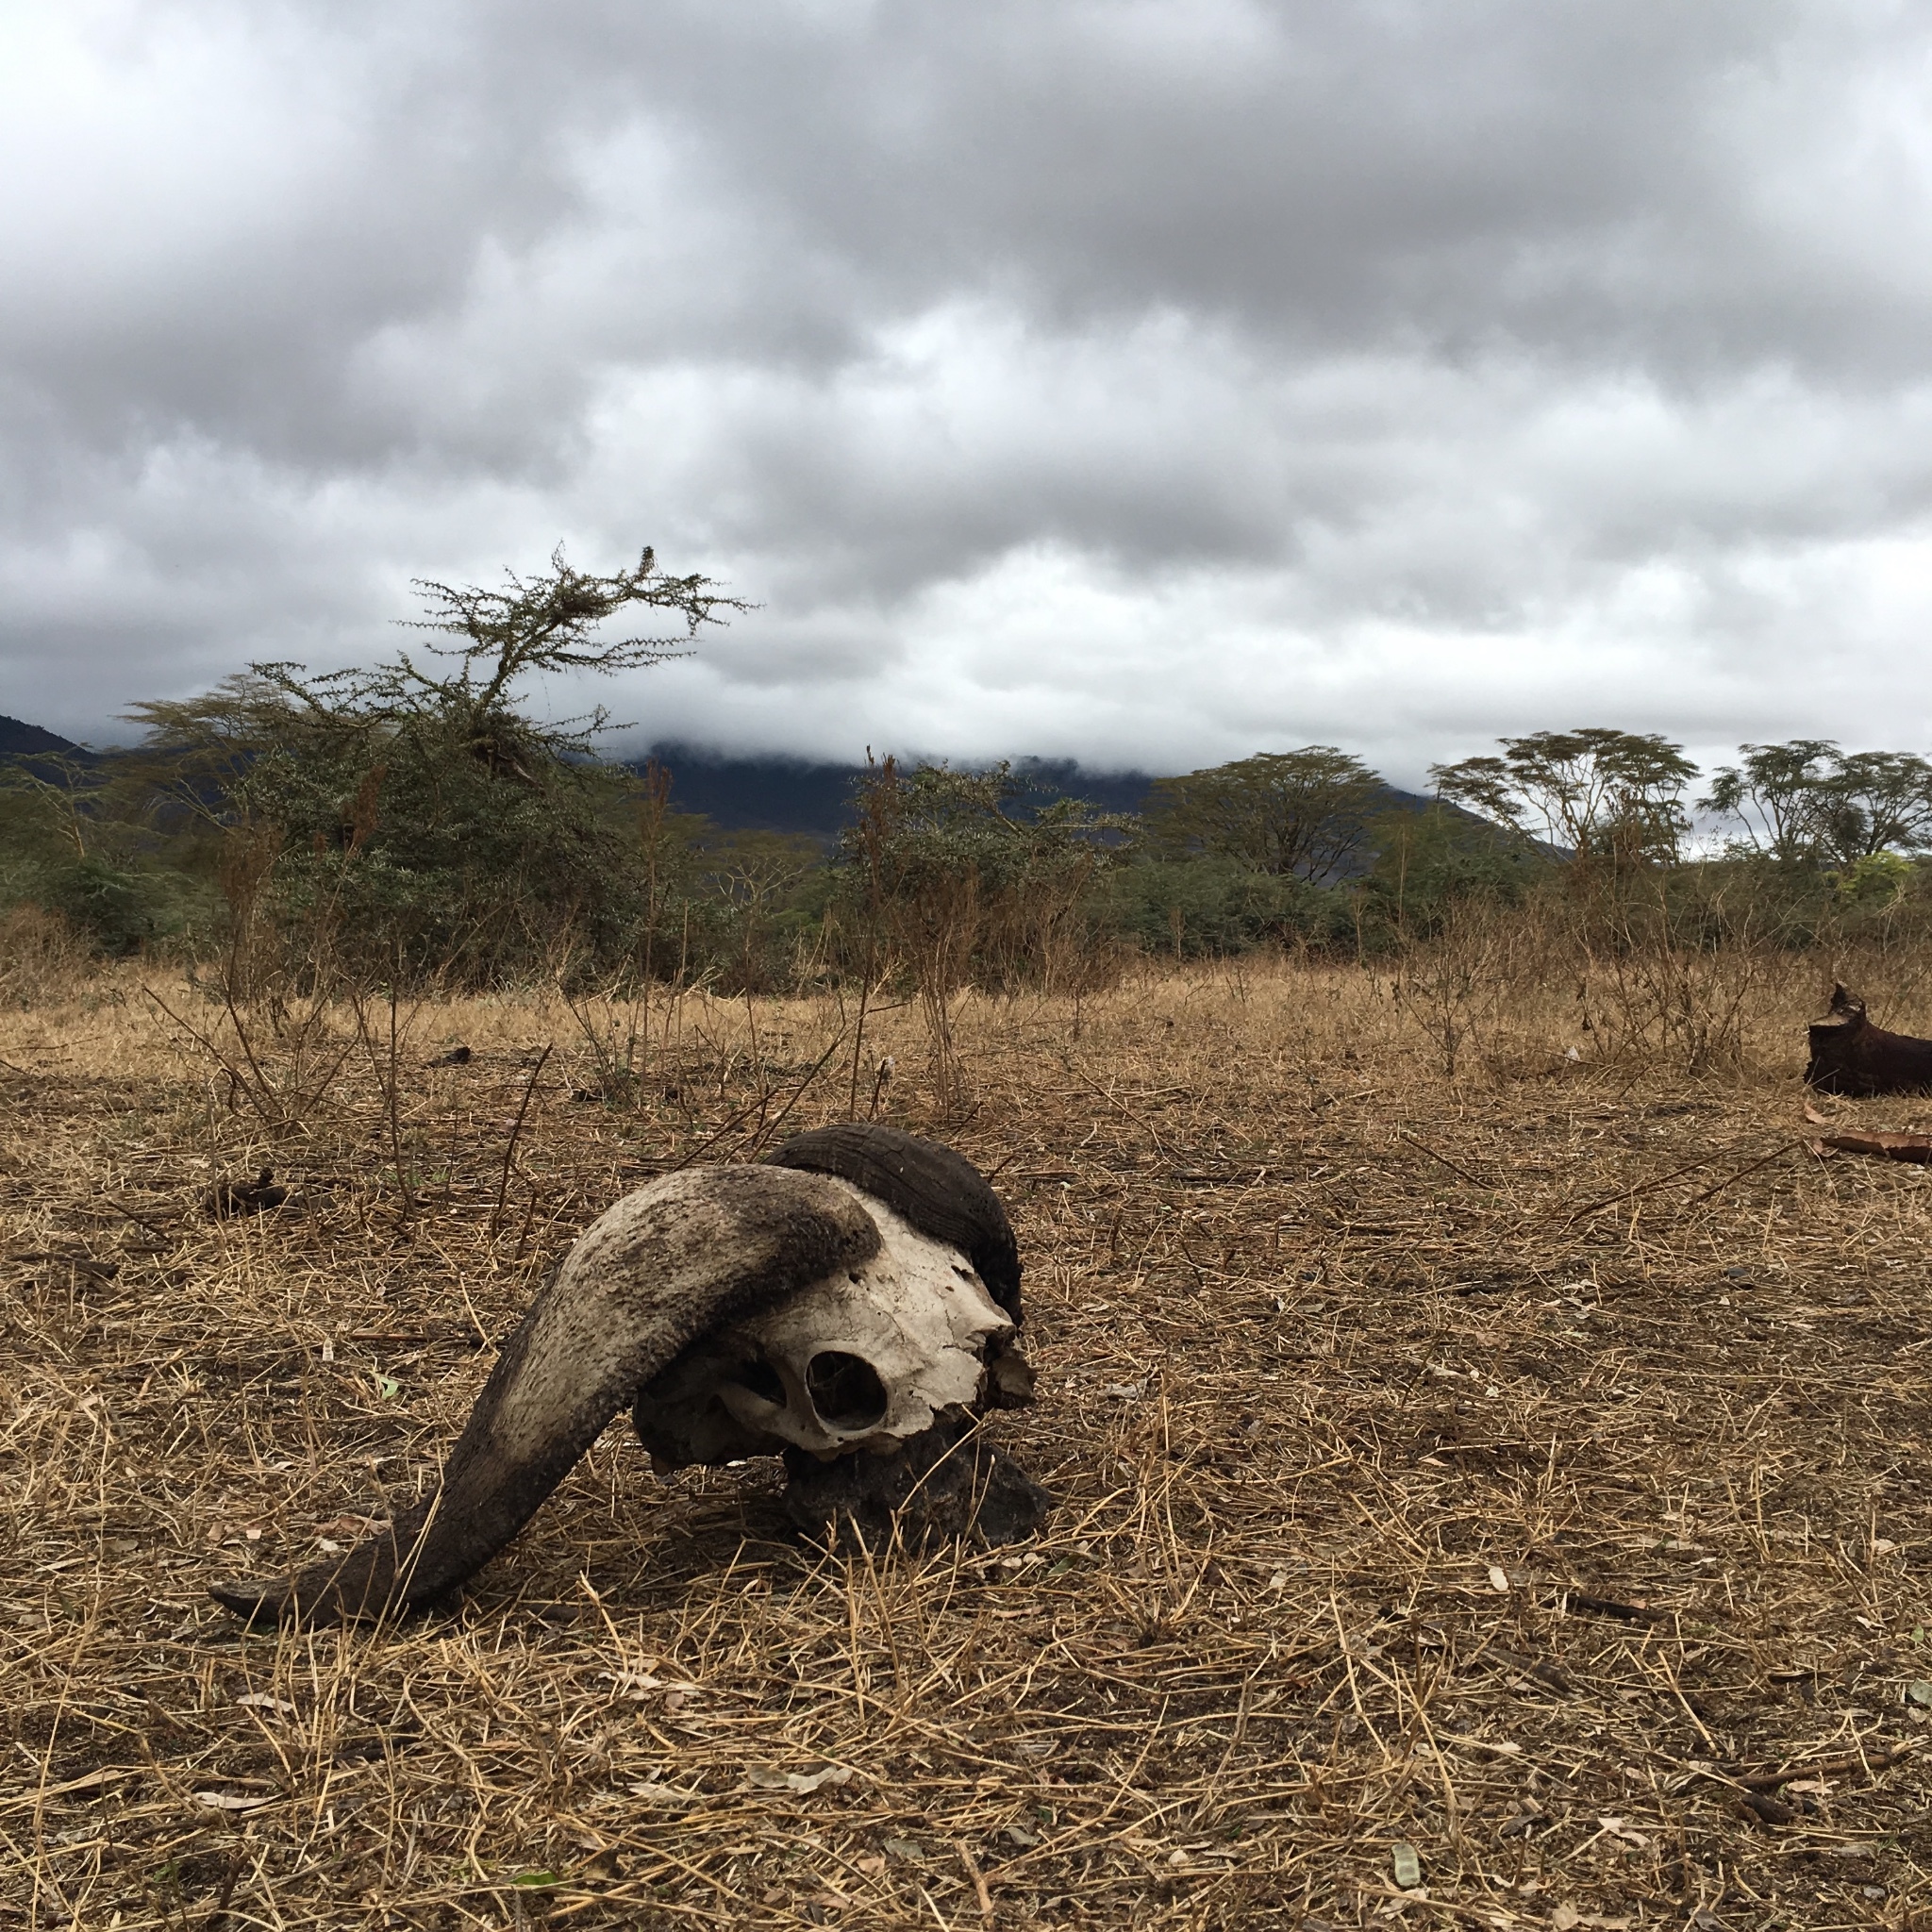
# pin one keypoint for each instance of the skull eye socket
(845, 1389)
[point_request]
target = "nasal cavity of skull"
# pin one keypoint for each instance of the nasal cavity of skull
(762, 1380)
(845, 1389)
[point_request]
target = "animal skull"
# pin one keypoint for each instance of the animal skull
(860, 1362)
(876, 1347)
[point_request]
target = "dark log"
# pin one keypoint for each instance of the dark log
(1852, 1057)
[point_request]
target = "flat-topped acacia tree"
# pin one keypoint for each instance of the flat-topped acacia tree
(1808, 803)
(1302, 814)
(1611, 800)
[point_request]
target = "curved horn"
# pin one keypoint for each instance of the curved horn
(663, 1267)
(940, 1192)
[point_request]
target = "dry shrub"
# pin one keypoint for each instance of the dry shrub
(1464, 986)
(279, 1012)
(1498, 991)
(1672, 979)
(258, 954)
(43, 961)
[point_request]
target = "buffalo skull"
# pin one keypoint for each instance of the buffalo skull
(853, 1305)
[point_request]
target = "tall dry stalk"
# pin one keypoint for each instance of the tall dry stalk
(279, 980)
(878, 808)
(928, 931)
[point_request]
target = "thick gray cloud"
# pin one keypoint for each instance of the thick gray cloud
(1154, 380)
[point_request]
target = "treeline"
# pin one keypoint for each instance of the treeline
(416, 823)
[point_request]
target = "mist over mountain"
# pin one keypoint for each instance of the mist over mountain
(803, 795)
(809, 798)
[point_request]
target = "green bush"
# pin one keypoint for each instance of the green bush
(945, 882)
(1202, 908)
(123, 909)
(1427, 862)
(408, 821)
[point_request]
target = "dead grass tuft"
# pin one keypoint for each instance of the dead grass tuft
(41, 958)
(1523, 1469)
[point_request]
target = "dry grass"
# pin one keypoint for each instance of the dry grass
(1448, 1465)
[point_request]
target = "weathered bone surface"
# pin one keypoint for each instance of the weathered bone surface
(862, 1361)
(833, 1305)
(1852, 1057)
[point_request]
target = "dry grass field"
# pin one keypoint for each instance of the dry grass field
(1494, 1501)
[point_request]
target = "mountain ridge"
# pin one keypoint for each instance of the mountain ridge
(777, 793)
(769, 792)
(20, 740)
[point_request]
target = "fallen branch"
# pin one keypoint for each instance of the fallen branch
(771, 1132)
(978, 1878)
(1422, 1146)
(1828, 1767)
(1776, 1154)
(1663, 1180)
(1114, 1101)
(1880, 1146)
(1545, 1673)
(1610, 1607)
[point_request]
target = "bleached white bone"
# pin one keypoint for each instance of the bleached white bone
(916, 1316)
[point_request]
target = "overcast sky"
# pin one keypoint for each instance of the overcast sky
(1150, 382)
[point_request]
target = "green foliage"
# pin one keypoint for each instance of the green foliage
(1303, 813)
(1207, 907)
(1610, 799)
(1877, 881)
(943, 884)
(1883, 800)
(939, 874)
(413, 816)
(1807, 803)
(420, 817)
(1427, 862)
(1777, 793)
(123, 910)
(750, 907)
(69, 845)
(117, 909)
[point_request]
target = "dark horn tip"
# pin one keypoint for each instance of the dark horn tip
(252, 1602)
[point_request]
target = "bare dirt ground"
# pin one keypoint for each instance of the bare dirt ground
(1497, 1502)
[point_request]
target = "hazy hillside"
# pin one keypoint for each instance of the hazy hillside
(20, 740)
(779, 794)
(767, 794)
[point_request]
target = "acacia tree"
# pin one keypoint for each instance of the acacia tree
(1780, 796)
(71, 844)
(423, 805)
(1807, 803)
(1303, 813)
(1881, 802)
(1603, 796)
